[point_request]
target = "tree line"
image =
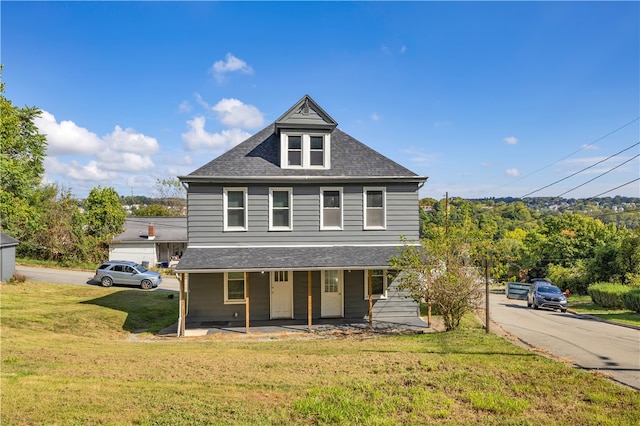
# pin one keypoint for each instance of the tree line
(573, 249)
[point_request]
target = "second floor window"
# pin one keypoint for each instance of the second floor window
(374, 208)
(235, 209)
(331, 208)
(280, 209)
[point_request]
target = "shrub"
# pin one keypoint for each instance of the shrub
(631, 300)
(608, 295)
(17, 278)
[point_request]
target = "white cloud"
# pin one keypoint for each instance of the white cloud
(91, 171)
(66, 137)
(589, 147)
(511, 140)
(234, 113)
(125, 162)
(230, 64)
(197, 137)
(129, 140)
(512, 172)
(420, 157)
(403, 49)
(185, 107)
(375, 117)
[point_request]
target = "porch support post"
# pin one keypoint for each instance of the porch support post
(309, 301)
(370, 284)
(183, 307)
(246, 288)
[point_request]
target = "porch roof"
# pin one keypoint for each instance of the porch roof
(221, 259)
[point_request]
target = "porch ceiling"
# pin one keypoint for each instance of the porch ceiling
(197, 259)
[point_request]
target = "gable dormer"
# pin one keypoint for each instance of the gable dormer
(305, 136)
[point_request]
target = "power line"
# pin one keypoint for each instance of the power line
(600, 175)
(580, 171)
(613, 189)
(573, 153)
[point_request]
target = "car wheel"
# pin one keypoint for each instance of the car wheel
(146, 285)
(106, 282)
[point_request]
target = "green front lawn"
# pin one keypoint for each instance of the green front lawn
(80, 355)
(584, 305)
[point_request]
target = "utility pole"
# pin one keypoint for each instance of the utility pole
(486, 292)
(446, 214)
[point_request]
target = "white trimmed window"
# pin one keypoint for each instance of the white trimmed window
(378, 283)
(331, 208)
(280, 209)
(375, 208)
(234, 287)
(235, 209)
(305, 150)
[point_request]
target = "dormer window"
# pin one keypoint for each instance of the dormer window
(294, 150)
(305, 150)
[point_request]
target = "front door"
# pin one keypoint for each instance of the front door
(282, 294)
(331, 300)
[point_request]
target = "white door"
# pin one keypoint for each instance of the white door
(331, 299)
(282, 294)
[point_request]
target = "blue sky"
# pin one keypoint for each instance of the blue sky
(488, 99)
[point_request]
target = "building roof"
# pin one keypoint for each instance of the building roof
(7, 240)
(206, 259)
(258, 157)
(168, 229)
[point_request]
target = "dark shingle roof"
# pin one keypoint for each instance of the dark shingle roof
(7, 240)
(285, 258)
(167, 229)
(259, 156)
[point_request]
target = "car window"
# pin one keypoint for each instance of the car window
(104, 266)
(140, 268)
(117, 268)
(548, 289)
(128, 269)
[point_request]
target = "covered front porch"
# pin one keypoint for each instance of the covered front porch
(299, 288)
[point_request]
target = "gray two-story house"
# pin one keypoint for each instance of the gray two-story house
(298, 222)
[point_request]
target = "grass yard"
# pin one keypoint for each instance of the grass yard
(584, 305)
(69, 357)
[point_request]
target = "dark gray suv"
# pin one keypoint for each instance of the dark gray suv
(128, 273)
(543, 294)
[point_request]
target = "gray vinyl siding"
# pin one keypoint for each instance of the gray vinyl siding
(206, 299)
(205, 226)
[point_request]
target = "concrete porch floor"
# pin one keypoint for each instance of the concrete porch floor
(395, 325)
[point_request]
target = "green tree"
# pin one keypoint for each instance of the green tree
(172, 195)
(440, 271)
(104, 215)
(22, 153)
(155, 210)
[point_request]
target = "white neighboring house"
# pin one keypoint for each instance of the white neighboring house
(157, 241)
(7, 256)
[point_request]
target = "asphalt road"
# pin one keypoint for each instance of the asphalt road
(589, 343)
(64, 276)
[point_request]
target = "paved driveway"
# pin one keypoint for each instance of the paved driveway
(589, 343)
(67, 276)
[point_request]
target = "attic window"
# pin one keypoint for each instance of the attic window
(305, 150)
